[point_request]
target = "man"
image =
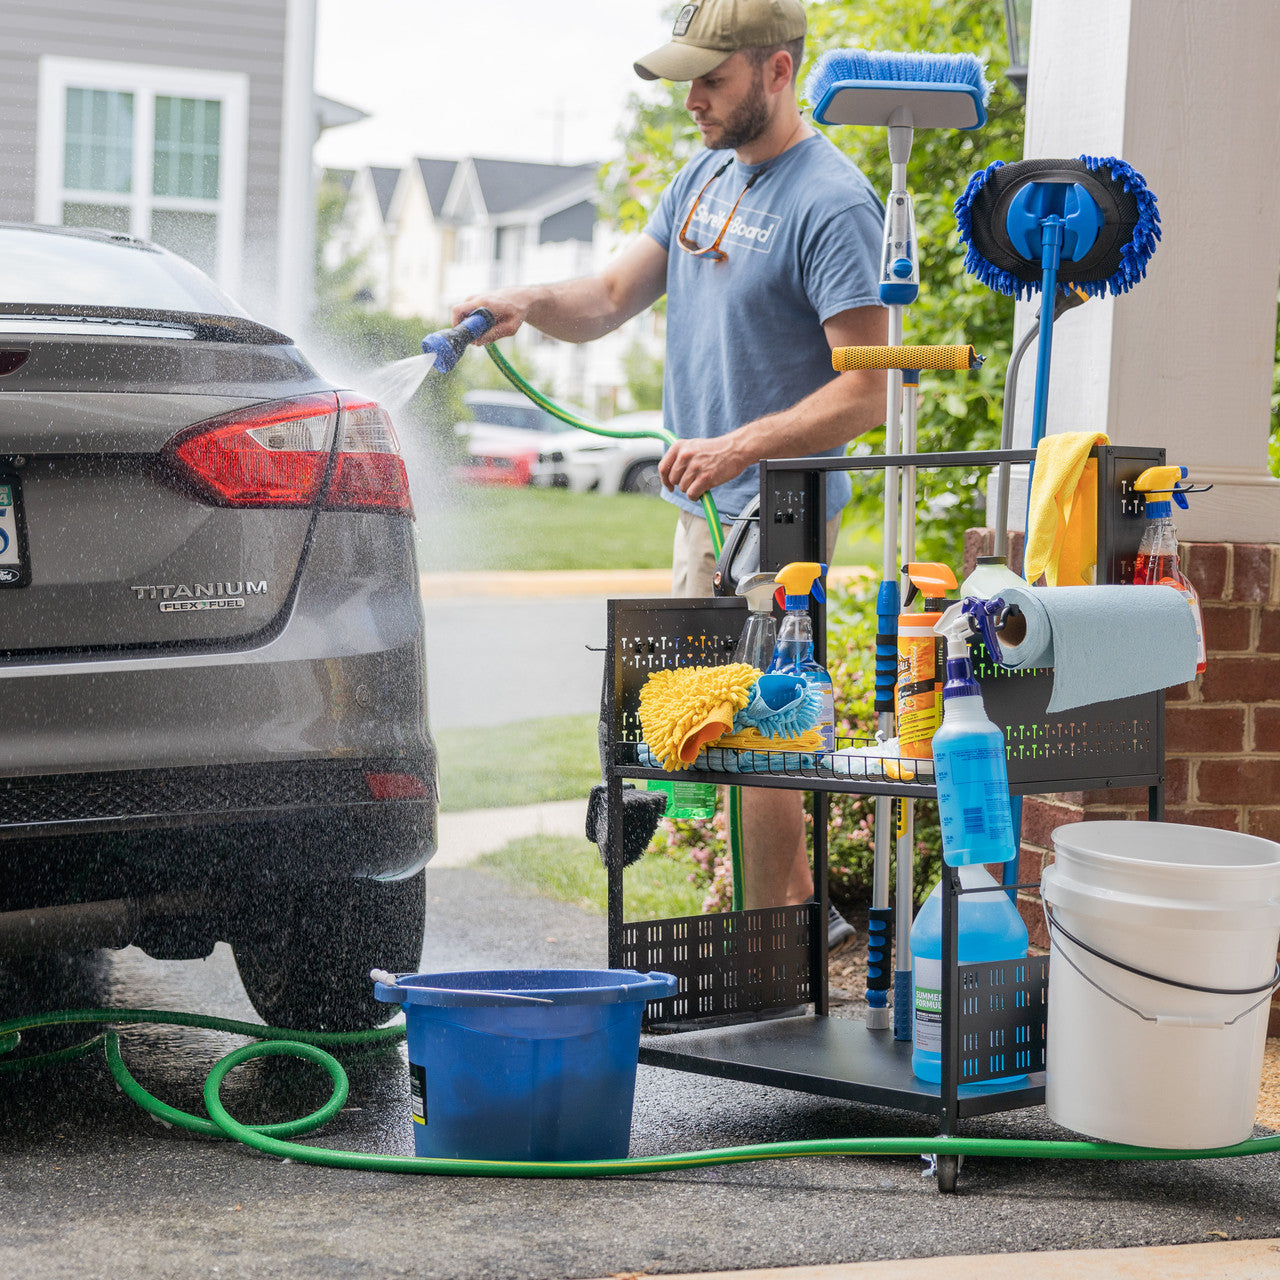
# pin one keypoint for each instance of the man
(767, 246)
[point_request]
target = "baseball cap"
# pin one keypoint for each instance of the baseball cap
(706, 34)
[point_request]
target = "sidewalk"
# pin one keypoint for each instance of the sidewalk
(575, 582)
(464, 836)
(1231, 1260)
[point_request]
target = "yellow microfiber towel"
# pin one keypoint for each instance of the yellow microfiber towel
(684, 708)
(753, 740)
(1062, 533)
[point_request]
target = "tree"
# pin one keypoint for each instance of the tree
(957, 411)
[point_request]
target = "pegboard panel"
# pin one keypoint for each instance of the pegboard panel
(655, 635)
(1003, 1012)
(1119, 739)
(735, 963)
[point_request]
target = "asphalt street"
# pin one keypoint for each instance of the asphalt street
(493, 660)
(94, 1188)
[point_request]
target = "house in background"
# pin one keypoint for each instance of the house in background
(187, 124)
(453, 228)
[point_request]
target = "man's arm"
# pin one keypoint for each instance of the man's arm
(583, 309)
(848, 405)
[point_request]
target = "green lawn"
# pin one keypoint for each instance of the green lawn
(477, 527)
(525, 763)
(570, 870)
(490, 528)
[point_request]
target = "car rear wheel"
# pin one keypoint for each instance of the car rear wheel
(642, 477)
(305, 958)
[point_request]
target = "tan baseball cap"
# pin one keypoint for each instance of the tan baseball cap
(706, 34)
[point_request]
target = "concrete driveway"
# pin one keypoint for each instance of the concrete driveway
(93, 1188)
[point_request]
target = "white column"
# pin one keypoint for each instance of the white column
(1187, 92)
(296, 216)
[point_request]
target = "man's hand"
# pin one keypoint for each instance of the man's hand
(694, 466)
(510, 310)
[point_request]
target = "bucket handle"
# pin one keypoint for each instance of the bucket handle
(392, 980)
(1165, 1020)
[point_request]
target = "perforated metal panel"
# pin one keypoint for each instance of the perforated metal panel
(1003, 1009)
(739, 962)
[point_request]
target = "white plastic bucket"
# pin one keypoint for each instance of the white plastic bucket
(1133, 1057)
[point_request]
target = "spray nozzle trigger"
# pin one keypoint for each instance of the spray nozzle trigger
(973, 616)
(989, 618)
(447, 345)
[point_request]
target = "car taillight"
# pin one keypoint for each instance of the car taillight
(370, 473)
(278, 455)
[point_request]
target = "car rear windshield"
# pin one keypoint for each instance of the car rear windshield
(48, 268)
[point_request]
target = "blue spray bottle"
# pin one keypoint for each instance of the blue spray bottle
(793, 654)
(968, 756)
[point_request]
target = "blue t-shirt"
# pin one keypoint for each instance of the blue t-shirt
(745, 337)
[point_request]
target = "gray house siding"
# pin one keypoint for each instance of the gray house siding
(246, 36)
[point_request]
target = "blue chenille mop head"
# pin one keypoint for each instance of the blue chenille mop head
(868, 86)
(780, 706)
(1118, 257)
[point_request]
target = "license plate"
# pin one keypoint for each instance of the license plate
(15, 570)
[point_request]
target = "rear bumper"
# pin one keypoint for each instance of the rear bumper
(241, 761)
(218, 827)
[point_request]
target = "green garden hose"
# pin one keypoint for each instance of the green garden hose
(271, 1139)
(717, 544)
(653, 433)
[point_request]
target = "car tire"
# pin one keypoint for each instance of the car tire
(305, 957)
(642, 477)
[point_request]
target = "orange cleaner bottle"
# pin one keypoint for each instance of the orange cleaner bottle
(1157, 562)
(921, 659)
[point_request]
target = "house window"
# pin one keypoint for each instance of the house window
(154, 152)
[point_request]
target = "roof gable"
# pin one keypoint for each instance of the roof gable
(384, 186)
(506, 185)
(436, 178)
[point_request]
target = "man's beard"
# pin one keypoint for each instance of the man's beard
(748, 120)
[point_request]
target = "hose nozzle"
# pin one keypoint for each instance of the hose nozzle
(447, 345)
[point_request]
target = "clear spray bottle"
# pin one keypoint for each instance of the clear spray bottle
(1157, 562)
(759, 637)
(968, 757)
(793, 653)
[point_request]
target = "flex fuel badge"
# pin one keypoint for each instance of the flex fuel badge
(190, 597)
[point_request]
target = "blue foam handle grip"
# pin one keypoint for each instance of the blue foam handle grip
(447, 345)
(903, 1005)
(887, 609)
(879, 932)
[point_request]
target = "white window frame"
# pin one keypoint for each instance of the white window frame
(147, 82)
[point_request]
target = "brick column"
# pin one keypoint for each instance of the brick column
(1222, 731)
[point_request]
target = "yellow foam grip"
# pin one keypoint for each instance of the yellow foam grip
(845, 359)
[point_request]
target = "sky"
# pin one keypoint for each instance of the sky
(542, 80)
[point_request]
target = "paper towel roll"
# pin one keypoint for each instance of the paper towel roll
(1103, 642)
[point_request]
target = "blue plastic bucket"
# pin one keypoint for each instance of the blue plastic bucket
(497, 1078)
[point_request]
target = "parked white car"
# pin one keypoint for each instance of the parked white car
(568, 457)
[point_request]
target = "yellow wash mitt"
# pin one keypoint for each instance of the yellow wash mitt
(683, 709)
(1062, 533)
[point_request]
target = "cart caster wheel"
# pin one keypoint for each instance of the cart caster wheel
(948, 1173)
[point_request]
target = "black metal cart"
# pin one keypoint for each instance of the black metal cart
(736, 966)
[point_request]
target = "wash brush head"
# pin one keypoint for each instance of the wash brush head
(878, 87)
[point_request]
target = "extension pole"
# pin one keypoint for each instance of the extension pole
(903, 1004)
(897, 229)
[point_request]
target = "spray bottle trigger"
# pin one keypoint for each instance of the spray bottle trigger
(988, 618)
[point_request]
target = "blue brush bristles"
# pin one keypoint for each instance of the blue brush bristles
(1133, 258)
(837, 66)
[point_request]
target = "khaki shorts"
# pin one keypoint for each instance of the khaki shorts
(693, 562)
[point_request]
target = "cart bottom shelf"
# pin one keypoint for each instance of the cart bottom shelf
(834, 1057)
